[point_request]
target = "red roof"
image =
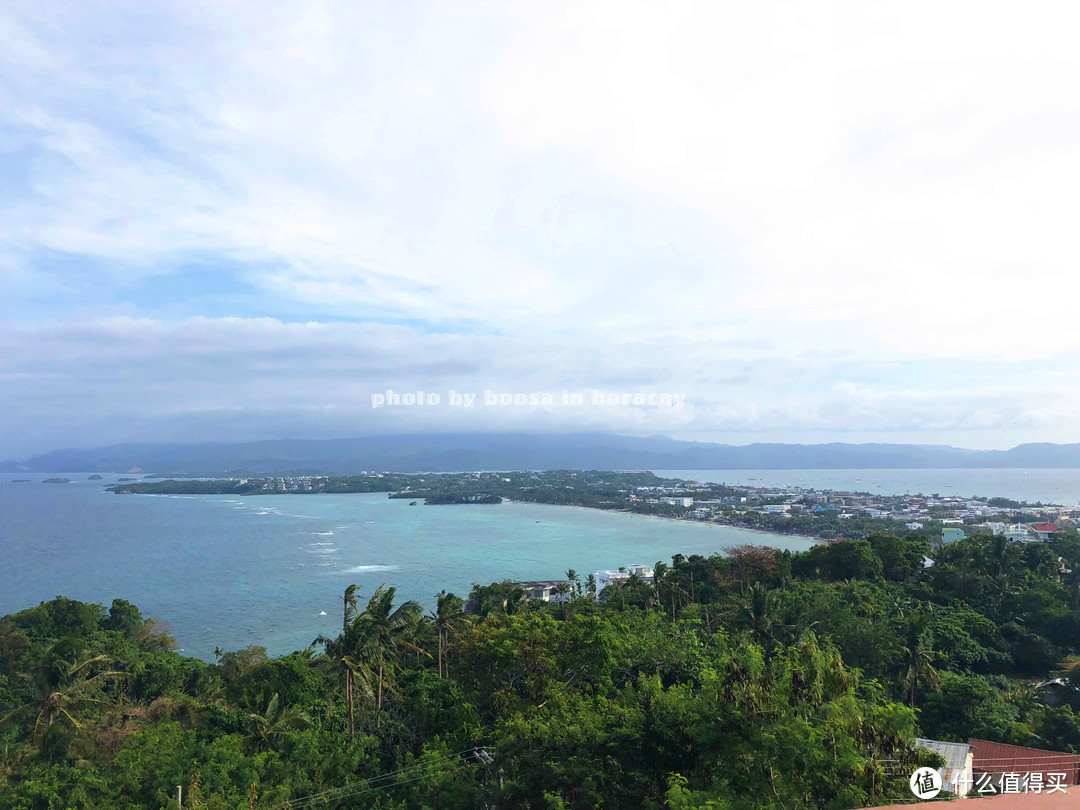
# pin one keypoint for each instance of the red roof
(992, 757)
(1045, 527)
(1010, 801)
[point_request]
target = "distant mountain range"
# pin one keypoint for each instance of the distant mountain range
(460, 452)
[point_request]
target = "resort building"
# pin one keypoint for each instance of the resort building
(606, 578)
(546, 590)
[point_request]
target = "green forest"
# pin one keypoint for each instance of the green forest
(753, 679)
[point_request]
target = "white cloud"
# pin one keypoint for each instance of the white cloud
(583, 191)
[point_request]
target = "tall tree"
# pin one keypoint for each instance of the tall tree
(379, 633)
(61, 686)
(349, 610)
(340, 651)
(447, 618)
(918, 656)
(574, 581)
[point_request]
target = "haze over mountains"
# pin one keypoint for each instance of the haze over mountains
(485, 451)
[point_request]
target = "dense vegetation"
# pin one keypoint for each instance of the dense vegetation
(759, 679)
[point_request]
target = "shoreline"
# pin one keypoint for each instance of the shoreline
(712, 523)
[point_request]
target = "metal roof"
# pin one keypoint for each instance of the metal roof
(955, 753)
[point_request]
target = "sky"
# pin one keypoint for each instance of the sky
(846, 221)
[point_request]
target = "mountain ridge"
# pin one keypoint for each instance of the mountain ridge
(464, 452)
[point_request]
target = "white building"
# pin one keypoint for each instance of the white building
(687, 502)
(544, 589)
(606, 578)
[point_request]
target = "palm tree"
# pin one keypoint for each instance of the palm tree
(573, 579)
(515, 598)
(561, 591)
(62, 687)
(918, 655)
(760, 611)
(590, 585)
(272, 726)
(339, 648)
(447, 618)
(380, 631)
(348, 613)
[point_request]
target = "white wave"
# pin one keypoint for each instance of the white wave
(328, 543)
(363, 569)
(323, 534)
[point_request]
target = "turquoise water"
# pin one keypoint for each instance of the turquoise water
(230, 571)
(1058, 486)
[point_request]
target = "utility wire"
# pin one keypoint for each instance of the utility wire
(368, 784)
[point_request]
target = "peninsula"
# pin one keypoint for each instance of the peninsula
(801, 511)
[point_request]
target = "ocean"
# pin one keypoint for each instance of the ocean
(229, 571)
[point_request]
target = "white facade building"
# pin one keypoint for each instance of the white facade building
(606, 578)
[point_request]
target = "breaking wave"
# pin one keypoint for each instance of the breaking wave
(363, 569)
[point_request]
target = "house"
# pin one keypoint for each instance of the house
(913, 526)
(546, 590)
(1055, 692)
(956, 774)
(951, 535)
(1017, 534)
(1045, 531)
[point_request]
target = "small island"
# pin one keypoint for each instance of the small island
(57, 481)
(444, 498)
(94, 478)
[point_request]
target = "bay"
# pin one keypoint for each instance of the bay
(228, 571)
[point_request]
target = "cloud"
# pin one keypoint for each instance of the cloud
(846, 221)
(123, 379)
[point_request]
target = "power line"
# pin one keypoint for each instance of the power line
(390, 774)
(348, 789)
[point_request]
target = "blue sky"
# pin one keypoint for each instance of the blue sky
(232, 220)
